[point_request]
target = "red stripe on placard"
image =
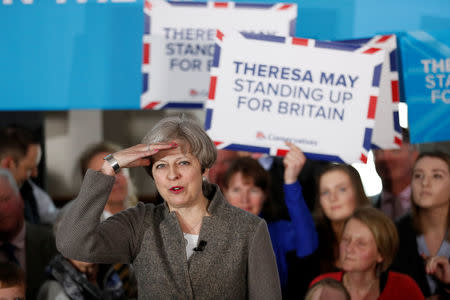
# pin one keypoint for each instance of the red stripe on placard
(219, 35)
(148, 5)
(217, 143)
(151, 105)
(282, 152)
(146, 53)
(383, 39)
(299, 41)
(286, 6)
(398, 141)
(220, 4)
(372, 107)
(363, 158)
(395, 92)
(371, 50)
(212, 88)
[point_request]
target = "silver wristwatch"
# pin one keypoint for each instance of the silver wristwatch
(113, 162)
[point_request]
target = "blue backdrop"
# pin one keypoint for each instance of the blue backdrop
(426, 77)
(88, 55)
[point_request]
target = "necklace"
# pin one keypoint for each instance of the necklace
(191, 229)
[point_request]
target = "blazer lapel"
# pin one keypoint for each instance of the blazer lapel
(211, 234)
(175, 247)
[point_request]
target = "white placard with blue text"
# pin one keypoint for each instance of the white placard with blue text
(179, 44)
(319, 95)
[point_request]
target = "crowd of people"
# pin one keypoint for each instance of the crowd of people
(226, 224)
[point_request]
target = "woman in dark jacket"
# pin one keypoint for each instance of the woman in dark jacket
(424, 234)
(340, 192)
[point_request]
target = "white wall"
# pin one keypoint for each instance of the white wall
(66, 135)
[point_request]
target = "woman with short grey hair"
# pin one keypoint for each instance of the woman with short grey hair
(193, 246)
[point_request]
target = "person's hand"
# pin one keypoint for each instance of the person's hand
(136, 156)
(293, 163)
(439, 267)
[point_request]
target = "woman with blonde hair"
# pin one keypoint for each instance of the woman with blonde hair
(367, 248)
(424, 234)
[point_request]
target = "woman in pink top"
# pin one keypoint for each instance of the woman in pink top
(368, 246)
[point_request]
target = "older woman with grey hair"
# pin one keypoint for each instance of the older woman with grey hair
(194, 245)
(123, 194)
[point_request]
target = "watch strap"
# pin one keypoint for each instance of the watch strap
(113, 162)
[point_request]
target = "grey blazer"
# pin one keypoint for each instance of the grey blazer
(237, 261)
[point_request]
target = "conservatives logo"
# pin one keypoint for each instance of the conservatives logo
(260, 135)
(198, 93)
(273, 137)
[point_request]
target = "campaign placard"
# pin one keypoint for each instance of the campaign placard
(179, 44)
(265, 90)
(387, 132)
(426, 76)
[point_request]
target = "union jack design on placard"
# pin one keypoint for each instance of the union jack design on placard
(176, 95)
(302, 42)
(146, 53)
(386, 42)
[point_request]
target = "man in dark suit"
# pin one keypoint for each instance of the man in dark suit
(20, 154)
(395, 166)
(29, 246)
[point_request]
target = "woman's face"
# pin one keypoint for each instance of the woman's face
(358, 251)
(242, 193)
(120, 189)
(431, 183)
(337, 195)
(178, 177)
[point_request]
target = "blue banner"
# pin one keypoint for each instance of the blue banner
(58, 55)
(87, 54)
(426, 75)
